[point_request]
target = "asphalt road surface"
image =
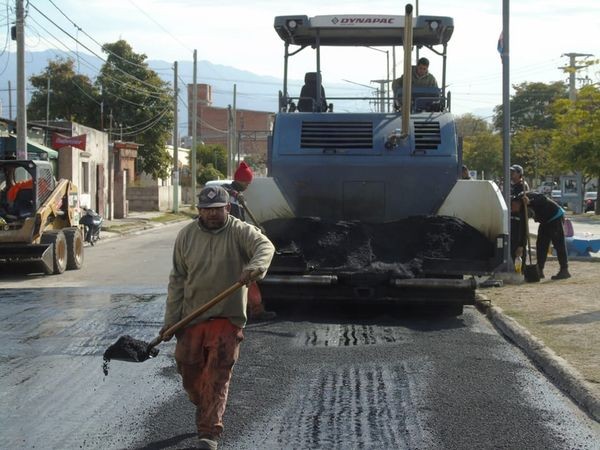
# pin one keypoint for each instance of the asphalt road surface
(351, 377)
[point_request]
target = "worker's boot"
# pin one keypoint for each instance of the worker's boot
(562, 274)
(207, 442)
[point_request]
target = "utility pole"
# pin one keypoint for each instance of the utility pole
(234, 134)
(111, 167)
(110, 125)
(48, 101)
(230, 131)
(102, 108)
(506, 124)
(175, 148)
(21, 106)
(572, 69)
(10, 116)
(194, 117)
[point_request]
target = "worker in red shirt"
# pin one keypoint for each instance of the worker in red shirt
(11, 196)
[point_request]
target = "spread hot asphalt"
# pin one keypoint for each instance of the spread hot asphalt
(398, 246)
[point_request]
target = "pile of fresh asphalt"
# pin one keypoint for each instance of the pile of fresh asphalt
(397, 248)
(128, 349)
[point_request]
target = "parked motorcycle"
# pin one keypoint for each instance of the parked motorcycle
(92, 223)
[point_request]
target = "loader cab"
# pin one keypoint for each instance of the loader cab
(24, 186)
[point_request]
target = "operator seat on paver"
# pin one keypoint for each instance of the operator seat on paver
(308, 95)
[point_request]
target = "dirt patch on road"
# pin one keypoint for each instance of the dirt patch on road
(564, 314)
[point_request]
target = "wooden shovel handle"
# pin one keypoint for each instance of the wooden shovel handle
(202, 309)
(242, 201)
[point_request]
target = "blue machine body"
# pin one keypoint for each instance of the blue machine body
(338, 166)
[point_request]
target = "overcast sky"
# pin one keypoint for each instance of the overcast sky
(240, 33)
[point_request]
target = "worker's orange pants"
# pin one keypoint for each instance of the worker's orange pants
(205, 355)
(255, 304)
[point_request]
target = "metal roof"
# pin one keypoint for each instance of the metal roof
(362, 30)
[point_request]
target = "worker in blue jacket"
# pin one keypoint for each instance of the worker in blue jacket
(550, 216)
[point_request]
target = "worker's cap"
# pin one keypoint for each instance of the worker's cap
(516, 168)
(213, 197)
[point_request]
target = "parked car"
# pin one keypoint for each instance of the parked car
(546, 187)
(217, 182)
(589, 201)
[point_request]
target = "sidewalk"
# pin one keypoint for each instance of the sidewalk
(138, 221)
(556, 323)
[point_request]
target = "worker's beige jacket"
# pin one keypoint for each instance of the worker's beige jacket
(206, 262)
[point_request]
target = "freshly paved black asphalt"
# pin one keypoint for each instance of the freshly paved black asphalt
(354, 377)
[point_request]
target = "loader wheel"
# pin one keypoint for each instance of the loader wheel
(59, 244)
(74, 248)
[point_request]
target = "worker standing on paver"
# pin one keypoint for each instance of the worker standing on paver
(210, 255)
(241, 180)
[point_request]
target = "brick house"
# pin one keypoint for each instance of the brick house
(253, 127)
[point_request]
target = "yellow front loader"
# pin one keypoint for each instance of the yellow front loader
(39, 219)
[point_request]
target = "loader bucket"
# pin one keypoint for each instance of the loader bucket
(32, 258)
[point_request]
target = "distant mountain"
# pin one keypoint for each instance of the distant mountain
(254, 92)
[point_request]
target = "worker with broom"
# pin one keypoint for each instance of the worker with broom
(210, 255)
(241, 180)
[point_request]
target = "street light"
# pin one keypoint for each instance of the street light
(385, 84)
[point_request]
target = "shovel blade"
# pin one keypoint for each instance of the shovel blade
(531, 273)
(130, 350)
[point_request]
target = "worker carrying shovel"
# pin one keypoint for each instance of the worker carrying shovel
(241, 180)
(209, 255)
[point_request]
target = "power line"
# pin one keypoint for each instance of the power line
(160, 26)
(94, 53)
(91, 66)
(116, 80)
(105, 91)
(143, 66)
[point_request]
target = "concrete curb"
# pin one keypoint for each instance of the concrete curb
(557, 368)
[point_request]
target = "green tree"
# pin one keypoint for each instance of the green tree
(468, 125)
(141, 105)
(482, 148)
(530, 148)
(576, 140)
(207, 173)
(214, 154)
(73, 97)
(530, 106)
(483, 152)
